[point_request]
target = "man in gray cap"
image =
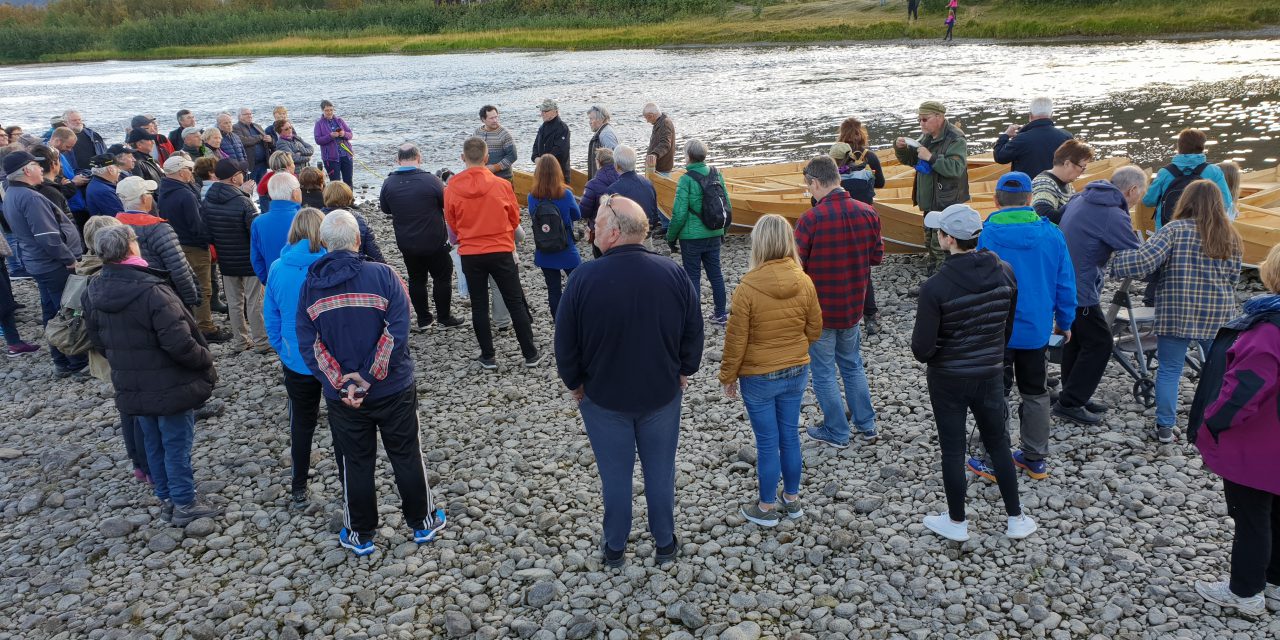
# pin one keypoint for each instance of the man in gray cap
(553, 136)
(941, 160)
(964, 319)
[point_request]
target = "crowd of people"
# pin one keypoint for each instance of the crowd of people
(139, 237)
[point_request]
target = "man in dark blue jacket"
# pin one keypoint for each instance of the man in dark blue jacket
(628, 335)
(100, 196)
(353, 332)
(638, 189)
(1030, 147)
(415, 201)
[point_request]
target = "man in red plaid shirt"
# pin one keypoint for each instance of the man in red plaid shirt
(839, 241)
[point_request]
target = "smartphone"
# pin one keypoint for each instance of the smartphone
(1056, 341)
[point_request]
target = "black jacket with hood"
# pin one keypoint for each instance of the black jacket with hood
(228, 215)
(964, 317)
(415, 201)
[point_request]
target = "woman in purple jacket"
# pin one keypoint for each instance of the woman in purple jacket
(334, 137)
(1238, 435)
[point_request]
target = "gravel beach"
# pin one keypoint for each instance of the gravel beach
(1127, 525)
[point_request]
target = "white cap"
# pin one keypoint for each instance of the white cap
(177, 162)
(132, 188)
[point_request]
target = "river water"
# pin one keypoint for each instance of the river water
(750, 104)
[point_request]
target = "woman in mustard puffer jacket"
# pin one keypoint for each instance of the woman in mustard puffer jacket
(775, 317)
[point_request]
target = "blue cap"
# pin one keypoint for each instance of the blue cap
(1014, 182)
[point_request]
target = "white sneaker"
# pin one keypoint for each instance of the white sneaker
(1220, 594)
(1272, 591)
(942, 525)
(1020, 527)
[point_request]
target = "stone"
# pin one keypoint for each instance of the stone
(115, 527)
(540, 594)
(580, 628)
(199, 528)
(9, 454)
(456, 624)
(742, 631)
(162, 543)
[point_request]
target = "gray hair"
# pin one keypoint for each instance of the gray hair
(66, 115)
(100, 171)
(652, 107)
(112, 243)
(280, 160)
(244, 110)
(604, 156)
(190, 131)
(824, 170)
(629, 218)
(408, 151)
(695, 150)
(598, 112)
(281, 186)
(1041, 107)
(226, 115)
(1128, 177)
(132, 203)
(340, 231)
(209, 133)
(624, 158)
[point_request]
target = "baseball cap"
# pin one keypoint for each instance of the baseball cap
(138, 135)
(14, 162)
(177, 163)
(117, 149)
(1014, 182)
(101, 161)
(548, 105)
(960, 221)
(839, 151)
(141, 121)
(227, 167)
(133, 187)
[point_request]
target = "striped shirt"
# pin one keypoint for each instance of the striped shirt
(502, 149)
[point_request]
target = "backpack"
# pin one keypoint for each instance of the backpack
(715, 203)
(859, 169)
(66, 329)
(548, 228)
(1169, 201)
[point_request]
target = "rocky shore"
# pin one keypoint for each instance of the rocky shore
(1127, 525)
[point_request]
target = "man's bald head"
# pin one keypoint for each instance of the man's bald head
(620, 221)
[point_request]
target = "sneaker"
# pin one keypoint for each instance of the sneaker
(1037, 469)
(451, 322)
(822, 435)
(535, 360)
(669, 553)
(299, 499)
(942, 525)
(981, 469)
(348, 541)
(166, 510)
(503, 329)
(1020, 527)
(218, 336)
(1097, 407)
(721, 319)
(792, 507)
(1272, 591)
(21, 349)
(612, 559)
(1078, 415)
(424, 322)
(868, 437)
(488, 364)
(755, 514)
(1220, 594)
(423, 536)
(139, 475)
(184, 514)
(1164, 434)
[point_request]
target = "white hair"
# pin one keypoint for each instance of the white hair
(1041, 107)
(339, 231)
(281, 186)
(226, 115)
(599, 113)
(695, 150)
(244, 110)
(652, 107)
(66, 115)
(134, 202)
(1128, 177)
(100, 171)
(624, 158)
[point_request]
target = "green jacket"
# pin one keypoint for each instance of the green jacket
(948, 184)
(685, 223)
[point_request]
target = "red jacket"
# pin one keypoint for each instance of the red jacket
(481, 209)
(839, 241)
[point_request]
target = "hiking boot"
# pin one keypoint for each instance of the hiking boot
(942, 525)
(21, 349)
(351, 541)
(1164, 434)
(218, 307)
(669, 553)
(423, 536)
(217, 336)
(1097, 407)
(612, 559)
(166, 510)
(184, 514)
(822, 435)
(1020, 526)
(1078, 415)
(981, 469)
(1037, 469)
(868, 437)
(1220, 594)
(535, 360)
(299, 499)
(425, 321)
(791, 507)
(60, 371)
(488, 364)
(755, 514)
(451, 322)
(263, 348)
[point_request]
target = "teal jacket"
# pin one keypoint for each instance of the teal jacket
(685, 223)
(1186, 162)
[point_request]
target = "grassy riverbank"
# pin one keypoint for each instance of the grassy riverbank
(420, 27)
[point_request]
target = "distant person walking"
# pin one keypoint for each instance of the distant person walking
(913, 10)
(334, 137)
(951, 24)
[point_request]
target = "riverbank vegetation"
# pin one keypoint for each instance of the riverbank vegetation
(101, 29)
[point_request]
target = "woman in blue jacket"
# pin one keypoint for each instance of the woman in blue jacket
(279, 311)
(548, 186)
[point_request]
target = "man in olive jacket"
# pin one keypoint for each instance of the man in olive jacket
(941, 161)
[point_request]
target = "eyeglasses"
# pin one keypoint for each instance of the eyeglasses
(925, 118)
(1081, 165)
(606, 201)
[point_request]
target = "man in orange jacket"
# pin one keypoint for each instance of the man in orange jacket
(481, 209)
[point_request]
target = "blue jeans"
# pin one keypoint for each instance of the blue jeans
(51, 284)
(339, 169)
(1171, 351)
(168, 441)
(773, 404)
(555, 287)
(14, 262)
(616, 437)
(841, 348)
(698, 254)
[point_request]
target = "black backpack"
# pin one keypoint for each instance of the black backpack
(548, 228)
(1173, 193)
(715, 203)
